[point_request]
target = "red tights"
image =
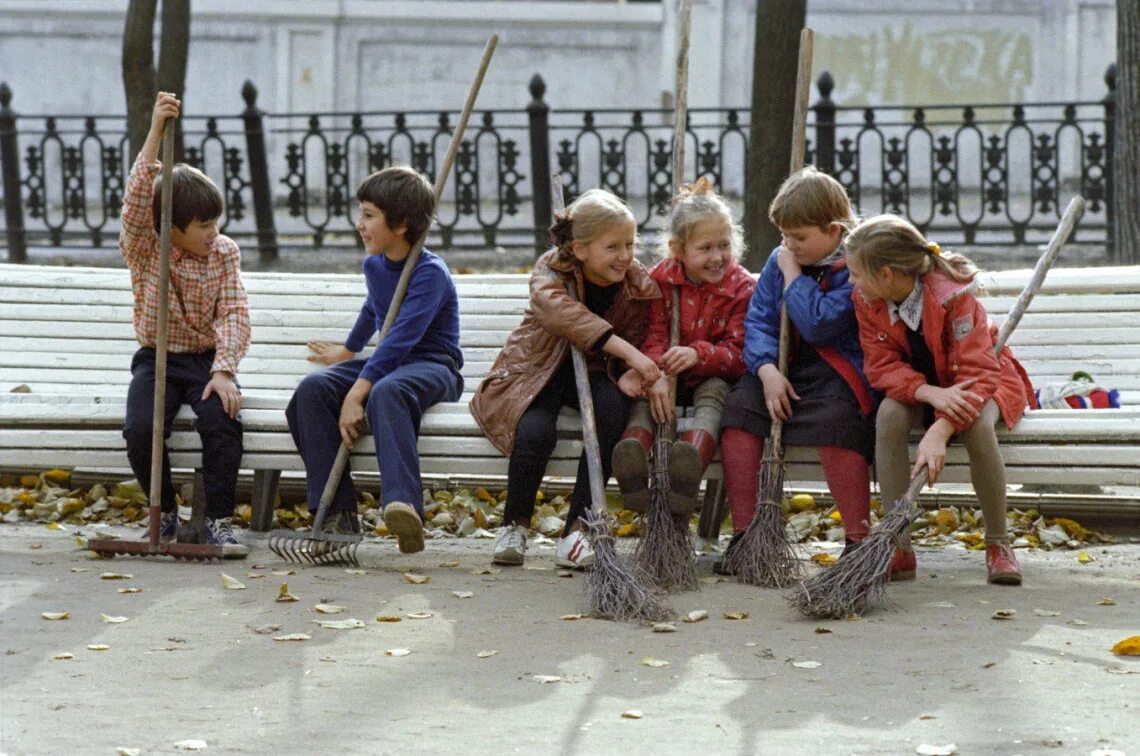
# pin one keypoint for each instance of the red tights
(846, 472)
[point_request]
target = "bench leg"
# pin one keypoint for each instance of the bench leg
(264, 499)
(712, 511)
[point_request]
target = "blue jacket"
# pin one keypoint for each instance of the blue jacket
(823, 315)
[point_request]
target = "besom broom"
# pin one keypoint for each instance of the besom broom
(317, 546)
(858, 581)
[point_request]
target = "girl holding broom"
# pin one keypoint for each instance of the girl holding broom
(824, 401)
(517, 404)
(700, 260)
(929, 346)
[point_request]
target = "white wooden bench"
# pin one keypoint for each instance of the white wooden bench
(66, 340)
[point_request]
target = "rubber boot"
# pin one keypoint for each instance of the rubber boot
(631, 467)
(688, 458)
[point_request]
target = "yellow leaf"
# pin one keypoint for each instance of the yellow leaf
(328, 608)
(29, 481)
(486, 654)
(696, 615)
(1106, 602)
(632, 714)
(735, 615)
(116, 576)
(649, 661)
(398, 652)
(802, 502)
(387, 618)
(419, 615)
(628, 530)
(573, 616)
(415, 579)
(1084, 557)
(232, 584)
(1128, 647)
(823, 559)
(822, 631)
(283, 594)
(56, 615)
(112, 620)
(61, 478)
(484, 495)
(835, 517)
(98, 647)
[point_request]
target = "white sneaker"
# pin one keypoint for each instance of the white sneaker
(510, 548)
(574, 551)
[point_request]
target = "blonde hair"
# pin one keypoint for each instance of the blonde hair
(587, 218)
(694, 203)
(888, 241)
(810, 197)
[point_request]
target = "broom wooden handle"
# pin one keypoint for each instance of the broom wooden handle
(1061, 235)
(341, 461)
(799, 147)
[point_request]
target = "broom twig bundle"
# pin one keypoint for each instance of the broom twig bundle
(858, 581)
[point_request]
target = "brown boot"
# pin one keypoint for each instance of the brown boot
(688, 458)
(631, 467)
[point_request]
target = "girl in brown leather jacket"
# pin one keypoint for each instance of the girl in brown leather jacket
(518, 403)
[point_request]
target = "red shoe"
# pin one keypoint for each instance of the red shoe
(1001, 565)
(903, 564)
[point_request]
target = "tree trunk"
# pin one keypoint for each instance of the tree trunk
(774, 63)
(1126, 145)
(174, 50)
(138, 70)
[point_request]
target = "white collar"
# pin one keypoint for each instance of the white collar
(909, 310)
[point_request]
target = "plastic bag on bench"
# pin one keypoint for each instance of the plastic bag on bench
(1081, 392)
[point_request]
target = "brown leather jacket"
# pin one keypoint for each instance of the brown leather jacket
(536, 348)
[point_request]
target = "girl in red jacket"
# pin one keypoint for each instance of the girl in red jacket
(713, 290)
(929, 346)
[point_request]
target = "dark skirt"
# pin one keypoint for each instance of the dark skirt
(827, 413)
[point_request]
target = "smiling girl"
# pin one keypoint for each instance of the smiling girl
(518, 403)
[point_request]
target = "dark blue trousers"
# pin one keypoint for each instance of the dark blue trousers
(186, 379)
(394, 408)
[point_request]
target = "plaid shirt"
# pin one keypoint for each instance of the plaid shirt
(208, 305)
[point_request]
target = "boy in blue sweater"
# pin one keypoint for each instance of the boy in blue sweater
(415, 366)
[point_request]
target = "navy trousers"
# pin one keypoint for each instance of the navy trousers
(394, 408)
(186, 379)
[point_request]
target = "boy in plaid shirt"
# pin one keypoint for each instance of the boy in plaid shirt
(208, 330)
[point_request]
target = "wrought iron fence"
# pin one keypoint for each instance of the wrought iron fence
(982, 174)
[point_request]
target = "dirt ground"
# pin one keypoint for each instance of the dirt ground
(189, 663)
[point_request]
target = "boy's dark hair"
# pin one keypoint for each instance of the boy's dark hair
(404, 196)
(195, 198)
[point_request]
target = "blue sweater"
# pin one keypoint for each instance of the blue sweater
(822, 318)
(427, 326)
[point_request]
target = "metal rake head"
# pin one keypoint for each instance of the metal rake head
(320, 549)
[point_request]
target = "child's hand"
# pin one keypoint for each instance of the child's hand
(328, 353)
(932, 451)
(778, 392)
(788, 265)
(166, 106)
(678, 359)
(661, 401)
(351, 420)
(222, 384)
(645, 367)
(631, 385)
(962, 405)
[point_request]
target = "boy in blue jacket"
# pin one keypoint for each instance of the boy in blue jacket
(415, 366)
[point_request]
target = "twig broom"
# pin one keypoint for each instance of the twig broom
(765, 556)
(858, 581)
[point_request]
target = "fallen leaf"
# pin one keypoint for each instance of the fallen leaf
(398, 652)
(573, 616)
(936, 750)
(283, 594)
(1076, 622)
(546, 679)
(448, 565)
(486, 654)
(807, 664)
(713, 579)
(1003, 614)
(121, 751)
(415, 579)
(463, 594)
(1084, 557)
(116, 576)
(344, 624)
(565, 573)
(232, 584)
(63, 657)
(664, 627)
(632, 714)
(282, 573)
(823, 559)
(293, 637)
(988, 665)
(1106, 602)
(419, 615)
(1128, 647)
(941, 604)
(1045, 613)
(190, 745)
(56, 615)
(649, 661)
(130, 589)
(97, 647)
(112, 620)
(822, 631)
(329, 608)
(266, 629)
(735, 615)
(1114, 670)
(697, 615)
(928, 716)
(81, 569)
(387, 618)
(485, 571)
(354, 571)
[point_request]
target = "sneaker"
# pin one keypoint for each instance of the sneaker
(342, 522)
(718, 565)
(510, 548)
(631, 470)
(219, 532)
(903, 564)
(404, 522)
(574, 551)
(168, 526)
(1001, 565)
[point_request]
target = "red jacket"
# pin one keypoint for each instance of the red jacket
(712, 320)
(961, 338)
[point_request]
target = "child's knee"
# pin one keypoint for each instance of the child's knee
(893, 417)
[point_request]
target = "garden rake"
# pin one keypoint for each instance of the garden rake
(316, 546)
(153, 545)
(858, 581)
(765, 556)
